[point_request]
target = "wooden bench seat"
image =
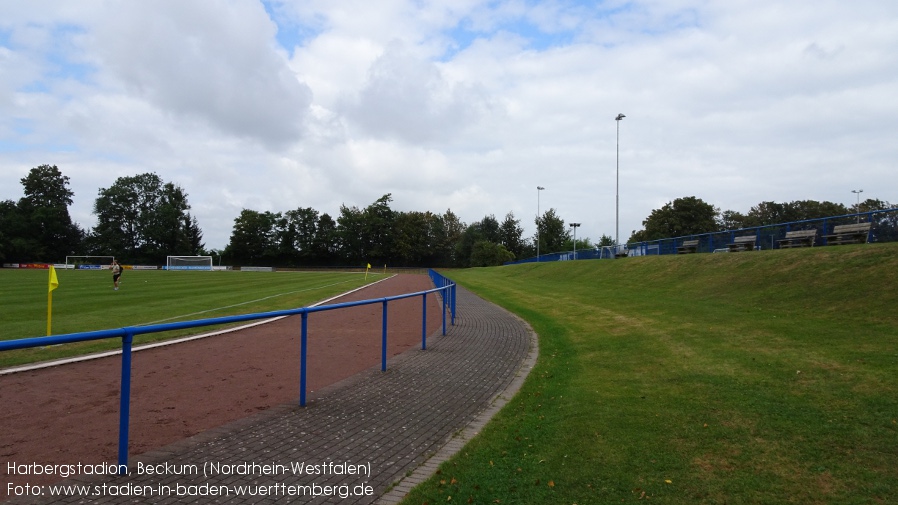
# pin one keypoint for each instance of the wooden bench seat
(689, 246)
(798, 238)
(857, 233)
(743, 243)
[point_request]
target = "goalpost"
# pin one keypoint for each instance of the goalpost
(188, 263)
(88, 262)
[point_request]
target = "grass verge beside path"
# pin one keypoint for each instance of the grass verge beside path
(748, 378)
(85, 301)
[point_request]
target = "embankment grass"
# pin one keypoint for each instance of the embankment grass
(768, 377)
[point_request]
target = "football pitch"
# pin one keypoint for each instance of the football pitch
(85, 301)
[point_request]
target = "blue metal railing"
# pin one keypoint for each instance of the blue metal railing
(444, 286)
(448, 296)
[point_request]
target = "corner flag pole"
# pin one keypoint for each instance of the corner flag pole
(53, 284)
(366, 271)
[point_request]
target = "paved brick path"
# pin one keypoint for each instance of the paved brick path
(398, 425)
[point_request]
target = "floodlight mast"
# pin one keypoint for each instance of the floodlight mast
(575, 226)
(857, 208)
(538, 189)
(617, 189)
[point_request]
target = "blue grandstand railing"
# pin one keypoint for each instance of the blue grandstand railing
(443, 285)
(884, 228)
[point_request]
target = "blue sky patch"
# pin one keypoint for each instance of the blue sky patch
(290, 33)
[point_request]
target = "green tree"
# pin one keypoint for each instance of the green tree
(731, 220)
(326, 238)
(485, 230)
(447, 234)
(378, 221)
(885, 224)
(511, 235)
(486, 254)
(144, 220)
(683, 216)
(769, 213)
(350, 232)
(464, 247)
(298, 229)
(194, 236)
(491, 230)
(414, 238)
(11, 226)
(168, 230)
(552, 234)
(254, 238)
(606, 240)
(801, 210)
(48, 233)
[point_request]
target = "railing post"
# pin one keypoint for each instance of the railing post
(383, 348)
(424, 321)
(125, 403)
(452, 289)
(303, 348)
(443, 304)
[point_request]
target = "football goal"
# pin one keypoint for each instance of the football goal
(189, 263)
(88, 262)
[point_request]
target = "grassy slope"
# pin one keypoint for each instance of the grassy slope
(765, 377)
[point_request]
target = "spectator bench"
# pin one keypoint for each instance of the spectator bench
(743, 243)
(849, 234)
(798, 238)
(689, 246)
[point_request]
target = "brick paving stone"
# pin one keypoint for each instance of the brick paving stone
(400, 423)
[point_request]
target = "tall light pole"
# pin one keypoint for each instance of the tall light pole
(857, 208)
(617, 190)
(575, 226)
(538, 189)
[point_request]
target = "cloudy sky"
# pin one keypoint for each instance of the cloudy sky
(466, 105)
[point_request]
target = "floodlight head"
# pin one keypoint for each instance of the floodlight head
(619, 117)
(540, 188)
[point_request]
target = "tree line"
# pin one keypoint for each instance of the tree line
(379, 235)
(142, 219)
(692, 216)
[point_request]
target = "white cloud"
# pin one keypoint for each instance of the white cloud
(209, 60)
(467, 105)
(409, 99)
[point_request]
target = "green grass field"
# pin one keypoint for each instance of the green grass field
(85, 301)
(768, 377)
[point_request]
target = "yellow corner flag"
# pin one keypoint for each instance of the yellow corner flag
(366, 271)
(54, 283)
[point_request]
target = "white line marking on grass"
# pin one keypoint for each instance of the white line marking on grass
(47, 364)
(248, 302)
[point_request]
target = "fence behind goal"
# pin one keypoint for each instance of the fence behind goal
(188, 263)
(86, 262)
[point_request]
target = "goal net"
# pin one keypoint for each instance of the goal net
(88, 262)
(189, 263)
